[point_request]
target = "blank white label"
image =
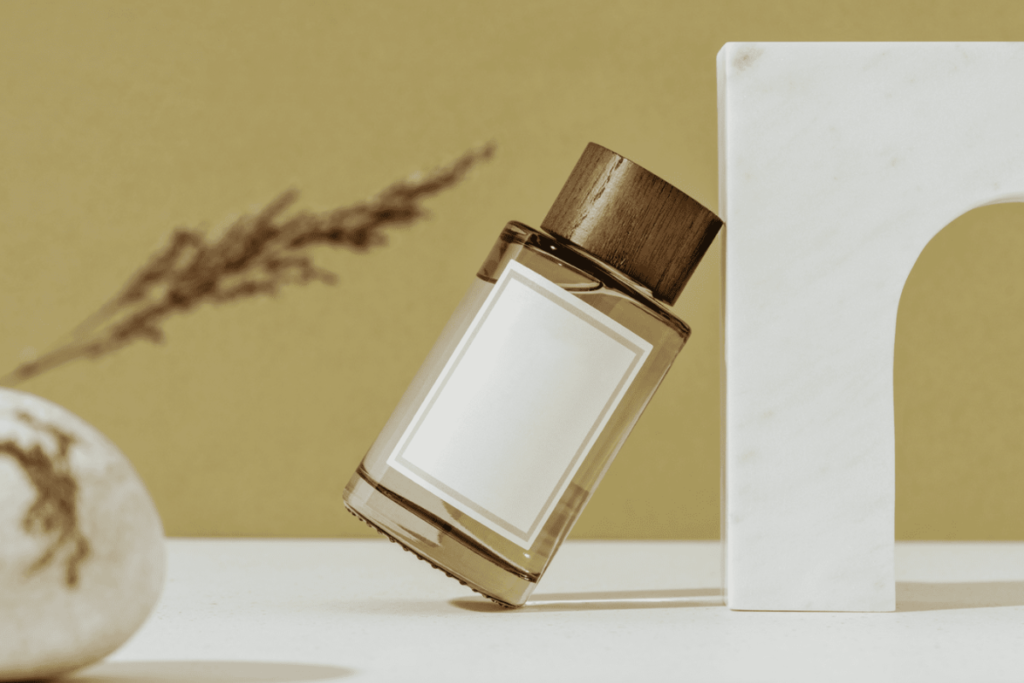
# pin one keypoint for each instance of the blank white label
(519, 404)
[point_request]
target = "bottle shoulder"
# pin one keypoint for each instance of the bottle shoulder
(575, 271)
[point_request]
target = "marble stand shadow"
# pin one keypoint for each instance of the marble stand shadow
(601, 600)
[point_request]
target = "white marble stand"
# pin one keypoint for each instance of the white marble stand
(838, 162)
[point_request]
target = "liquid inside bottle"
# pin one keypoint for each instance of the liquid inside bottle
(516, 413)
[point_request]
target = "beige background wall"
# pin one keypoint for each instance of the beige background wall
(122, 120)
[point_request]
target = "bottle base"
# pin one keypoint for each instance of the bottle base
(383, 511)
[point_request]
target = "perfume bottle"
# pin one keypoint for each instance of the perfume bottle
(537, 379)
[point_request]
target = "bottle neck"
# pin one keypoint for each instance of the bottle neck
(576, 255)
(597, 270)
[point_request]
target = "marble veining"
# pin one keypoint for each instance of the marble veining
(838, 163)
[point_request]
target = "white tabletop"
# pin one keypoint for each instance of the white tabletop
(363, 610)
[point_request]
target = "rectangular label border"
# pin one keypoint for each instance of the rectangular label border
(537, 283)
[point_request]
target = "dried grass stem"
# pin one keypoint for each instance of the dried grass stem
(255, 255)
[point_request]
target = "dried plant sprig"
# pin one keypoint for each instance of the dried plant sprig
(255, 255)
(55, 510)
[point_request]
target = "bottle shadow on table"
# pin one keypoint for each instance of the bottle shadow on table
(206, 672)
(914, 596)
(602, 600)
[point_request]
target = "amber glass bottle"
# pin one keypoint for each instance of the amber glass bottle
(539, 376)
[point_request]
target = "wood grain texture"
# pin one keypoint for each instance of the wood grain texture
(633, 220)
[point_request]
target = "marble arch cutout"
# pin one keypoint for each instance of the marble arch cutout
(838, 163)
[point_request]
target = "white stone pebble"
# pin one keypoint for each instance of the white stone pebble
(81, 544)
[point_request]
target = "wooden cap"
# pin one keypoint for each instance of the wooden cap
(633, 220)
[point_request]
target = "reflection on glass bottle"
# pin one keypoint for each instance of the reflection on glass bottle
(539, 376)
